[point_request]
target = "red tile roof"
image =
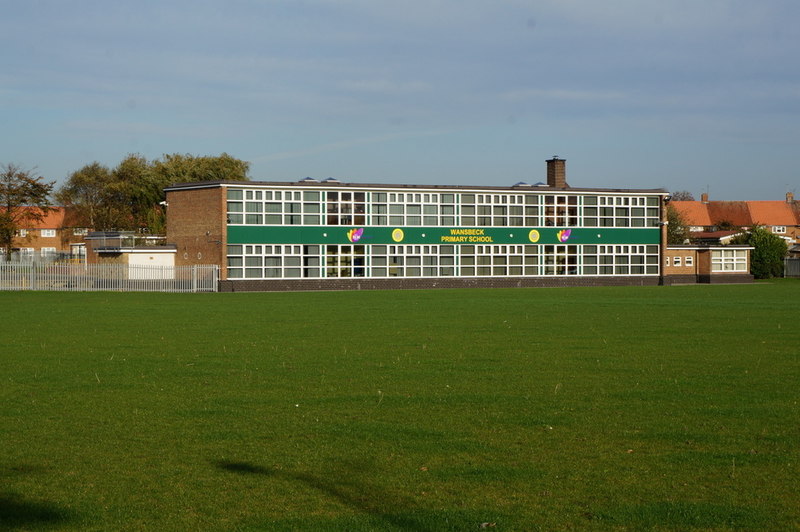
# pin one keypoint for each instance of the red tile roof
(772, 213)
(739, 213)
(734, 212)
(693, 212)
(53, 219)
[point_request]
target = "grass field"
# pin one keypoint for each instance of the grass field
(666, 408)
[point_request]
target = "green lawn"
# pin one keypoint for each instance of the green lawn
(666, 408)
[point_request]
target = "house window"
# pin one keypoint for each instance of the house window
(688, 261)
(48, 233)
(80, 231)
(676, 261)
(48, 251)
(779, 229)
(22, 233)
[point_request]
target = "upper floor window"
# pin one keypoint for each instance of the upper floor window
(780, 229)
(48, 232)
(22, 233)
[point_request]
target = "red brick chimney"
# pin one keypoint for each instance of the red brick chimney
(704, 197)
(557, 172)
(789, 197)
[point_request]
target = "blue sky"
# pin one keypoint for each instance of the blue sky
(701, 96)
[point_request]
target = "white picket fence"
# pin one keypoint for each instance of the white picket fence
(109, 277)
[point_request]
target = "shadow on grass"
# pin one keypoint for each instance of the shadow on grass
(15, 512)
(361, 496)
(688, 515)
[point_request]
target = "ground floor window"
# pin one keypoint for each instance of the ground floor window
(267, 261)
(729, 260)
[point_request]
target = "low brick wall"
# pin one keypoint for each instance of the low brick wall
(289, 285)
(670, 280)
(726, 278)
(723, 278)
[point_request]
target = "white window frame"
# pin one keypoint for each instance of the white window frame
(676, 261)
(48, 233)
(779, 229)
(728, 260)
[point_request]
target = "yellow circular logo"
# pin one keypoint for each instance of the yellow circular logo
(533, 236)
(397, 235)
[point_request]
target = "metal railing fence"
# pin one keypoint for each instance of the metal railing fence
(108, 277)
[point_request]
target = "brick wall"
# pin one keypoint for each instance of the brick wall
(287, 285)
(670, 280)
(34, 239)
(669, 267)
(196, 225)
(726, 278)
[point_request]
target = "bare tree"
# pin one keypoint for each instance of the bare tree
(24, 200)
(682, 195)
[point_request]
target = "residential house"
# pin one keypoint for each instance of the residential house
(56, 234)
(704, 216)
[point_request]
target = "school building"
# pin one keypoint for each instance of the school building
(329, 235)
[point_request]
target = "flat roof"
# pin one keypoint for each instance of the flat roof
(338, 184)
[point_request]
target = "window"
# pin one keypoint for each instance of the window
(80, 231)
(779, 229)
(48, 233)
(676, 261)
(22, 233)
(48, 251)
(688, 260)
(729, 260)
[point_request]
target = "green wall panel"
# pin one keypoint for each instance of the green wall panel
(242, 234)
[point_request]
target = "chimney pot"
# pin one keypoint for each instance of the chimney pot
(789, 197)
(557, 173)
(704, 197)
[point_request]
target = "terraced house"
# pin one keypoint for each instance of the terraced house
(719, 219)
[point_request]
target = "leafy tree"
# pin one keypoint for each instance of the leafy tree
(677, 230)
(682, 195)
(180, 168)
(136, 187)
(129, 196)
(766, 259)
(86, 193)
(24, 200)
(726, 225)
